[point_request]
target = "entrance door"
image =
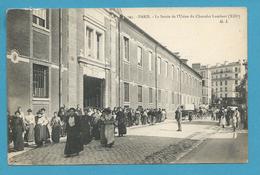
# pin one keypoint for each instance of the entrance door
(93, 92)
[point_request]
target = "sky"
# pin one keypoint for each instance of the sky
(201, 35)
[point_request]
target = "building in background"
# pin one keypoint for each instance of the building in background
(225, 78)
(91, 57)
(206, 82)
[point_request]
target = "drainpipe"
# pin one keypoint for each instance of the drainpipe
(60, 58)
(119, 61)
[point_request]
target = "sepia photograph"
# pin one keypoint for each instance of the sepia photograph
(127, 85)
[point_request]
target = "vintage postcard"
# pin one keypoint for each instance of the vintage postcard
(127, 86)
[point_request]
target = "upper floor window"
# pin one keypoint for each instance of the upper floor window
(236, 75)
(89, 41)
(166, 69)
(40, 17)
(98, 42)
(159, 65)
(236, 69)
(150, 59)
(40, 81)
(226, 82)
(126, 49)
(139, 56)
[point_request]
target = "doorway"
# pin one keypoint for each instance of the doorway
(93, 92)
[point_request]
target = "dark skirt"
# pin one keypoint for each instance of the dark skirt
(121, 128)
(85, 134)
(55, 134)
(41, 133)
(96, 131)
(18, 141)
(29, 135)
(73, 143)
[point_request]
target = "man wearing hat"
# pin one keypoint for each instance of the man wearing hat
(29, 121)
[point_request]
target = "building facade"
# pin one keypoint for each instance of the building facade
(91, 57)
(225, 78)
(206, 82)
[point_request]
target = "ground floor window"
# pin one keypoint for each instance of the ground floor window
(126, 92)
(40, 81)
(150, 95)
(140, 94)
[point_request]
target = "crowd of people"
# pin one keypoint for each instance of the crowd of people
(228, 116)
(79, 126)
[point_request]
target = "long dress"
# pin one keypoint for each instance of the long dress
(56, 129)
(17, 131)
(120, 117)
(29, 121)
(41, 131)
(85, 129)
(96, 127)
(73, 143)
(107, 136)
(62, 116)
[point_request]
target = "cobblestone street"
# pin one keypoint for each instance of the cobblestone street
(160, 143)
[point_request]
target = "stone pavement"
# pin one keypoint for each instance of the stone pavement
(148, 144)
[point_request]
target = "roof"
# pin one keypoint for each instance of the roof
(127, 20)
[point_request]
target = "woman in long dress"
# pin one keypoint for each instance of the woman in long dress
(107, 128)
(85, 127)
(17, 131)
(29, 121)
(41, 131)
(56, 128)
(96, 125)
(121, 120)
(73, 144)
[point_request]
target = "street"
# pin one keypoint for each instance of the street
(200, 141)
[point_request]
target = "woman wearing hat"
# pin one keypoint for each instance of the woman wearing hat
(41, 131)
(29, 121)
(73, 144)
(17, 130)
(56, 128)
(107, 136)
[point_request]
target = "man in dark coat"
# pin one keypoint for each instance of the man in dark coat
(73, 144)
(178, 117)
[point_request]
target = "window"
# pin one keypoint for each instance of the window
(220, 83)
(159, 65)
(159, 96)
(225, 75)
(225, 95)
(89, 40)
(126, 92)
(225, 82)
(166, 69)
(236, 69)
(221, 89)
(40, 81)
(236, 75)
(236, 82)
(140, 94)
(139, 56)
(216, 89)
(203, 82)
(40, 17)
(98, 35)
(150, 60)
(220, 95)
(216, 83)
(150, 95)
(173, 72)
(126, 49)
